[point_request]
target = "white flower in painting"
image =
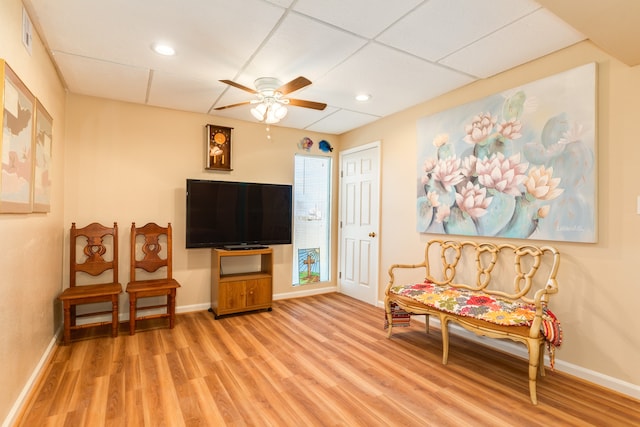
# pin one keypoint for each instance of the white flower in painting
(502, 174)
(480, 128)
(468, 167)
(541, 185)
(432, 196)
(510, 129)
(429, 164)
(574, 134)
(441, 139)
(448, 172)
(473, 200)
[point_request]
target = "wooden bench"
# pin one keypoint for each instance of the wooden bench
(489, 289)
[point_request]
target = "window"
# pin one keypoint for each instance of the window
(311, 219)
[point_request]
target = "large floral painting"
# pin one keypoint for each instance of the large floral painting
(518, 164)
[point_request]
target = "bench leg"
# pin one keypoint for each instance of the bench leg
(426, 323)
(387, 308)
(534, 359)
(541, 361)
(444, 325)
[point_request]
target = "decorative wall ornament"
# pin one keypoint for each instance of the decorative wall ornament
(17, 143)
(517, 164)
(218, 148)
(305, 144)
(325, 146)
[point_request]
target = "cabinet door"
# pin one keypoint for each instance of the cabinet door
(232, 295)
(258, 292)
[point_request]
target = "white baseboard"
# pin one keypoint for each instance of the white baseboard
(306, 293)
(17, 405)
(511, 347)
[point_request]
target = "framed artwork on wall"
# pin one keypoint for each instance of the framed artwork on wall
(218, 148)
(42, 160)
(517, 164)
(17, 143)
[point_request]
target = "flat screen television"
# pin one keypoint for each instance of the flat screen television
(237, 215)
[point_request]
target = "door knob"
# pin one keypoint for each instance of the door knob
(372, 234)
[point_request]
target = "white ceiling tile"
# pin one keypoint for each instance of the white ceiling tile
(103, 79)
(364, 17)
(342, 121)
(296, 47)
(535, 35)
(396, 81)
(203, 29)
(439, 27)
(175, 91)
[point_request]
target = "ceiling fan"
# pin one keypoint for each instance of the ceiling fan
(270, 104)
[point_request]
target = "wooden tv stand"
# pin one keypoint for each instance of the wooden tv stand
(241, 292)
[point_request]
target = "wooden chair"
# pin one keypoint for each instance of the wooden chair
(151, 260)
(93, 263)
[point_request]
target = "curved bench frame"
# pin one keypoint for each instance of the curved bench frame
(526, 259)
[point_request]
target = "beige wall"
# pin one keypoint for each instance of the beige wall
(128, 162)
(599, 291)
(31, 264)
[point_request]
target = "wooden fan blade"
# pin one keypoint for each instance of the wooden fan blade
(294, 85)
(307, 104)
(239, 86)
(233, 105)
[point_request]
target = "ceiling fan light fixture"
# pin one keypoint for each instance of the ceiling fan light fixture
(275, 113)
(259, 111)
(281, 112)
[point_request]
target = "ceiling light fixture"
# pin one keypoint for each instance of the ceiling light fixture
(163, 49)
(271, 106)
(363, 97)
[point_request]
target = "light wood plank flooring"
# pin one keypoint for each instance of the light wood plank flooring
(315, 361)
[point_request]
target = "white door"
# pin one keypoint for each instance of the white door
(359, 222)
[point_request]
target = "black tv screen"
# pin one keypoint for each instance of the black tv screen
(237, 214)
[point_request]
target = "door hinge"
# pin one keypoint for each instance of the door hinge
(340, 275)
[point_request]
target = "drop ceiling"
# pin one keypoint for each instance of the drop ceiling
(401, 52)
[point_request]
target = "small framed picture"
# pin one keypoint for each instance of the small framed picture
(218, 148)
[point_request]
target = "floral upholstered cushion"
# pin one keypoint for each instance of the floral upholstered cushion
(480, 305)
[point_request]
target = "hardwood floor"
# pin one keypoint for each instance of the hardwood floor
(314, 361)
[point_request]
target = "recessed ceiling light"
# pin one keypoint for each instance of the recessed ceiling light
(363, 97)
(163, 49)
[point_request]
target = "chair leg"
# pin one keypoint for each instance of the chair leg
(67, 323)
(114, 316)
(72, 314)
(172, 308)
(132, 313)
